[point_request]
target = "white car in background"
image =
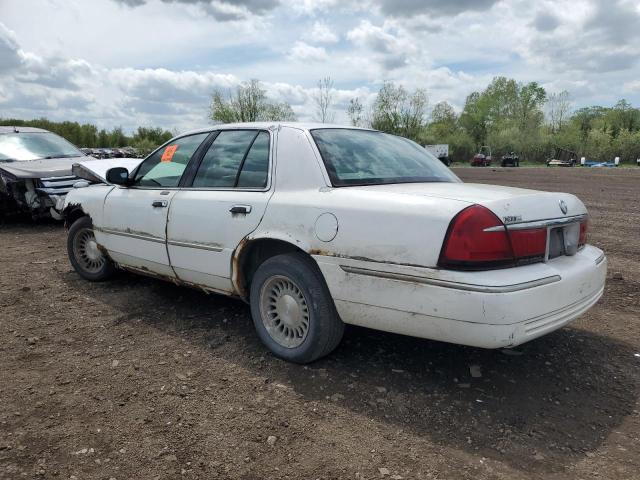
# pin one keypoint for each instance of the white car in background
(318, 226)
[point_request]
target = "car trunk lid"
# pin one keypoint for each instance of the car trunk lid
(511, 205)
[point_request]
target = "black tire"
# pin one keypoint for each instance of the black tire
(93, 269)
(324, 329)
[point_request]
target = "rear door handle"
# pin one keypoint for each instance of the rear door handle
(159, 204)
(240, 209)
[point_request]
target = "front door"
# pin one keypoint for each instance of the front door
(223, 203)
(134, 223)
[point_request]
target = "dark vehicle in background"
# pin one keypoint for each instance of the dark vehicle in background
(562, 158)
(482, 158)
(510, 160)
(35, 171)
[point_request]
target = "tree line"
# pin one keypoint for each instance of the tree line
(144, 139)
(508, 116)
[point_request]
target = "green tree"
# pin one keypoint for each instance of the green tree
(399, 112)
(323, 99)
(444, 121)
(558, 107)
(249, 103)
(508, 116)
(355, 112)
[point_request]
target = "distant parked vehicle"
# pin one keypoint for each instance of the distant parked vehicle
(592, 163)
(441, 152)
(130, 152)
(510, 160)
(97, 153)
(482, 158)
(562, 158)
(35, 170)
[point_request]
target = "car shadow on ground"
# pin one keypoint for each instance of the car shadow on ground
(542, 407)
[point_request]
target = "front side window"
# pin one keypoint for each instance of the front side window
(366, 157)
(236, 159)
(19, 147)
(165, 167)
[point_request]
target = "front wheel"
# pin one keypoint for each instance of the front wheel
(292, 309)
(85, 254)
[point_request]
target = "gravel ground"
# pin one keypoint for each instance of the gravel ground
(137, 379)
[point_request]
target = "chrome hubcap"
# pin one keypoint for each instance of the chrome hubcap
(284, 311)
(86, 251)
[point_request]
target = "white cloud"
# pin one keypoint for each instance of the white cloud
(389, 49)
(221, 10)
(321, 33)
(304, 52)
(10, 55)
(156, 62)
(631, 87)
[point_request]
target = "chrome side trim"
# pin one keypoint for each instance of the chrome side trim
(200, 246)
(151, 238)
(600, 259)
(552, 222)
(138, 236)
(449, 284)
(58, 179)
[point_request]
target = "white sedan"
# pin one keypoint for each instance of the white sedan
(318, 226)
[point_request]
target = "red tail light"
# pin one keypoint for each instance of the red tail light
(477, 239)
(529, 243)
(582, 240)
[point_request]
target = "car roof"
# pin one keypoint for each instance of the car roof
(18, 129)
(272, 125)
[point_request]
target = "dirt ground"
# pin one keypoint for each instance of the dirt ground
(140, 379)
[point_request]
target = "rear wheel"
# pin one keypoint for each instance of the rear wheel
(85, 254)
(292, 309)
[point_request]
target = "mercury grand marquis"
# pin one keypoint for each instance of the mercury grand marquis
(318, 226)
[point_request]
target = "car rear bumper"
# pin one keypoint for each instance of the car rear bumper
(492, 309)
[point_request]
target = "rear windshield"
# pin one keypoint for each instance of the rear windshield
(365, 157)
(34, 146)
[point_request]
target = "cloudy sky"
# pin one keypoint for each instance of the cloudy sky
(156, 62)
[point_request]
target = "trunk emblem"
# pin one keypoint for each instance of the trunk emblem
(563, 207)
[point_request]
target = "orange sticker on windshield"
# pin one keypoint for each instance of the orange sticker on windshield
(168, 153)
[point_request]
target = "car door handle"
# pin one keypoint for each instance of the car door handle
(240, 209)
(159, 204)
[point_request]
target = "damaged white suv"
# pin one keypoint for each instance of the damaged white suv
(317, 226)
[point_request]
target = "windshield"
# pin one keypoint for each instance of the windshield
(34, 146)
(366, 157)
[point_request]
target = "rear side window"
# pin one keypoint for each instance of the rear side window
(165, 167)
(366, 157)
(236, 158)
(256, 166)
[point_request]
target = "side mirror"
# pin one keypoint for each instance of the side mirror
(118, 176)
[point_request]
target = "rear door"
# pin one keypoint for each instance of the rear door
(135, 217)
(223, 202)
